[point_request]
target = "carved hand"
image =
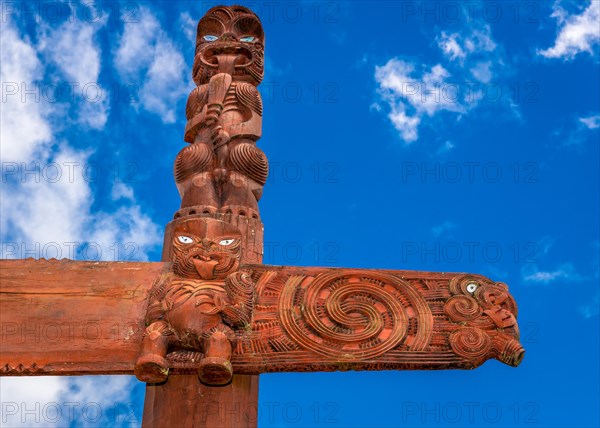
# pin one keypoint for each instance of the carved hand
(217, 90)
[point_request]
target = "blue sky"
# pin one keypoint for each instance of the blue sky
(444, 136)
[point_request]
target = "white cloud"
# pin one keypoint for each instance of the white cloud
(459, 46)
(73, 49)
(127, 234)
(188, 26)
(592, 122)
(415, 92)
(148, 58)
(67, 401)
(121, 191)
(450, 46)
(446, 147)
(50, 211)
(575, 133)
(482, 71)
(577, 33)
(565, 272)
(406, 125)
(411, 94)
(29, 393)
(21, 67)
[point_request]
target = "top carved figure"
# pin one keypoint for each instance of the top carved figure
(222, 170)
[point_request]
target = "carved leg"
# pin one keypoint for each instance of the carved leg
(200, 190)
(194, 181)
(152, 366)
(249, 170)
(215, 368)
(237, 195)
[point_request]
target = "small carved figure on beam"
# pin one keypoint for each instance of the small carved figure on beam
(197, 308)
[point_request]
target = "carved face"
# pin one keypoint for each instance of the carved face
(476, 294)
(230, 39)
(205, 248)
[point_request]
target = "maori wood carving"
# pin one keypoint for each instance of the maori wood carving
(222, 170)
(212, 311)
(97, 323)
(211, 307)
(215, 313)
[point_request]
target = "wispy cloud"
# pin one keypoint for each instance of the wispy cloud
(565, 272)
(444, 228)
(591, 122)
(414, 93)
(147, 56)
(73, 49)
(577, 131)
(592, 308)
(576, 33)
(445, 148)
(188, 25)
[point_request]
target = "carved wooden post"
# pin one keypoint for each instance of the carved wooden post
(220, 176)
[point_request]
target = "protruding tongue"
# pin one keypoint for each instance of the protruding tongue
(226, 63)
(206, 269)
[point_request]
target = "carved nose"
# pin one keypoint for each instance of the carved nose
(228, 37)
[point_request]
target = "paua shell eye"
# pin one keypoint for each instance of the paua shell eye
(185, 239)
(226, 242)
(210, 38)
(247, 39)
(472, 286)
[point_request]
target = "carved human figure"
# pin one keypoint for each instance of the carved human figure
(222, 169)
(206, 298)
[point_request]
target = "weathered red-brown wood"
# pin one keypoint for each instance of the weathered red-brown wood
(70, 317)
(185, 402)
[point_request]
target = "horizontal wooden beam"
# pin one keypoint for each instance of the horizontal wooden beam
(72, 318)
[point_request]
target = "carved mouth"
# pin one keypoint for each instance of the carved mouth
(242, 55)
(201, 257)
(205, 265)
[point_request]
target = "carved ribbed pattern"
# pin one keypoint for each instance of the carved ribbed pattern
(193, 159)
(250, 160)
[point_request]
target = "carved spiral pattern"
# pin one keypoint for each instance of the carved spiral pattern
(250, 160)
(497, 294)
(241, 287)
(462, 308)
(352, 316)
(192, 159)
(470, 342)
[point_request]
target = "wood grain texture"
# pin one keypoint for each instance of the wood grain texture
(68, 317)
(185, 402)
(72, 317)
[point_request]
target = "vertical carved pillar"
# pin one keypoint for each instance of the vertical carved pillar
(219, 175)
(183, 400)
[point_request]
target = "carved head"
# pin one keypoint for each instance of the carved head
(230, 39)
(487, 315)
(205, 248)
